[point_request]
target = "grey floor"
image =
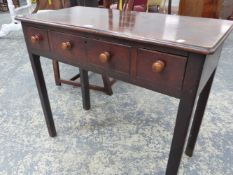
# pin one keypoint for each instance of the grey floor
(128, 133)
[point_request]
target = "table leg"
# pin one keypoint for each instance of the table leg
(85, 88)
(38, 74)
(197, 120)
(169, 6)
(56, 72)
(184, 115)
(107, 85)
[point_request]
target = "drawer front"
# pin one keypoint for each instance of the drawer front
(160, 70)
(67, 46)
(37, 38)
(109, 56)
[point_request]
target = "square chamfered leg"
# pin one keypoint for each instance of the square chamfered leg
(56, 71)
(199, 113)
(187, 102)
(41, 87)
(85, 88)
(107, 85)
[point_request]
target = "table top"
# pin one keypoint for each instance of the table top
(199, 35)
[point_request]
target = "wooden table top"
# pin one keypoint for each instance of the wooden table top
(199, 35)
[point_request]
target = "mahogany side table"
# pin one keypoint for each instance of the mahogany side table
(173, 55)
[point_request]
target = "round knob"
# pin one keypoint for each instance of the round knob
(158, 66)
(66, 45)
(104, 57)
(36, 38)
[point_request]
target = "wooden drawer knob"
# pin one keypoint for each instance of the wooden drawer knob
(158, 66)
(36, 38)
(104, 57)
(66, 45)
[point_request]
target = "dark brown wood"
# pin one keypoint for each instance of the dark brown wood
(38, 74)
(42, 42)
(73, 83)
(119, 56)
(189, 59)
(76, 50)
(93, 87)
(75, 77)
(169, 6)
(66, 46)
(181, 33)
(107, 84)
(170, 78)
(85, 89)
(199, 113)
(211, 62)
(189, 93)
(76, 53)
(133, 70)
(56, 72)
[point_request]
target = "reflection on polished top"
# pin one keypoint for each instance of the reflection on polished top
(200, 35)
